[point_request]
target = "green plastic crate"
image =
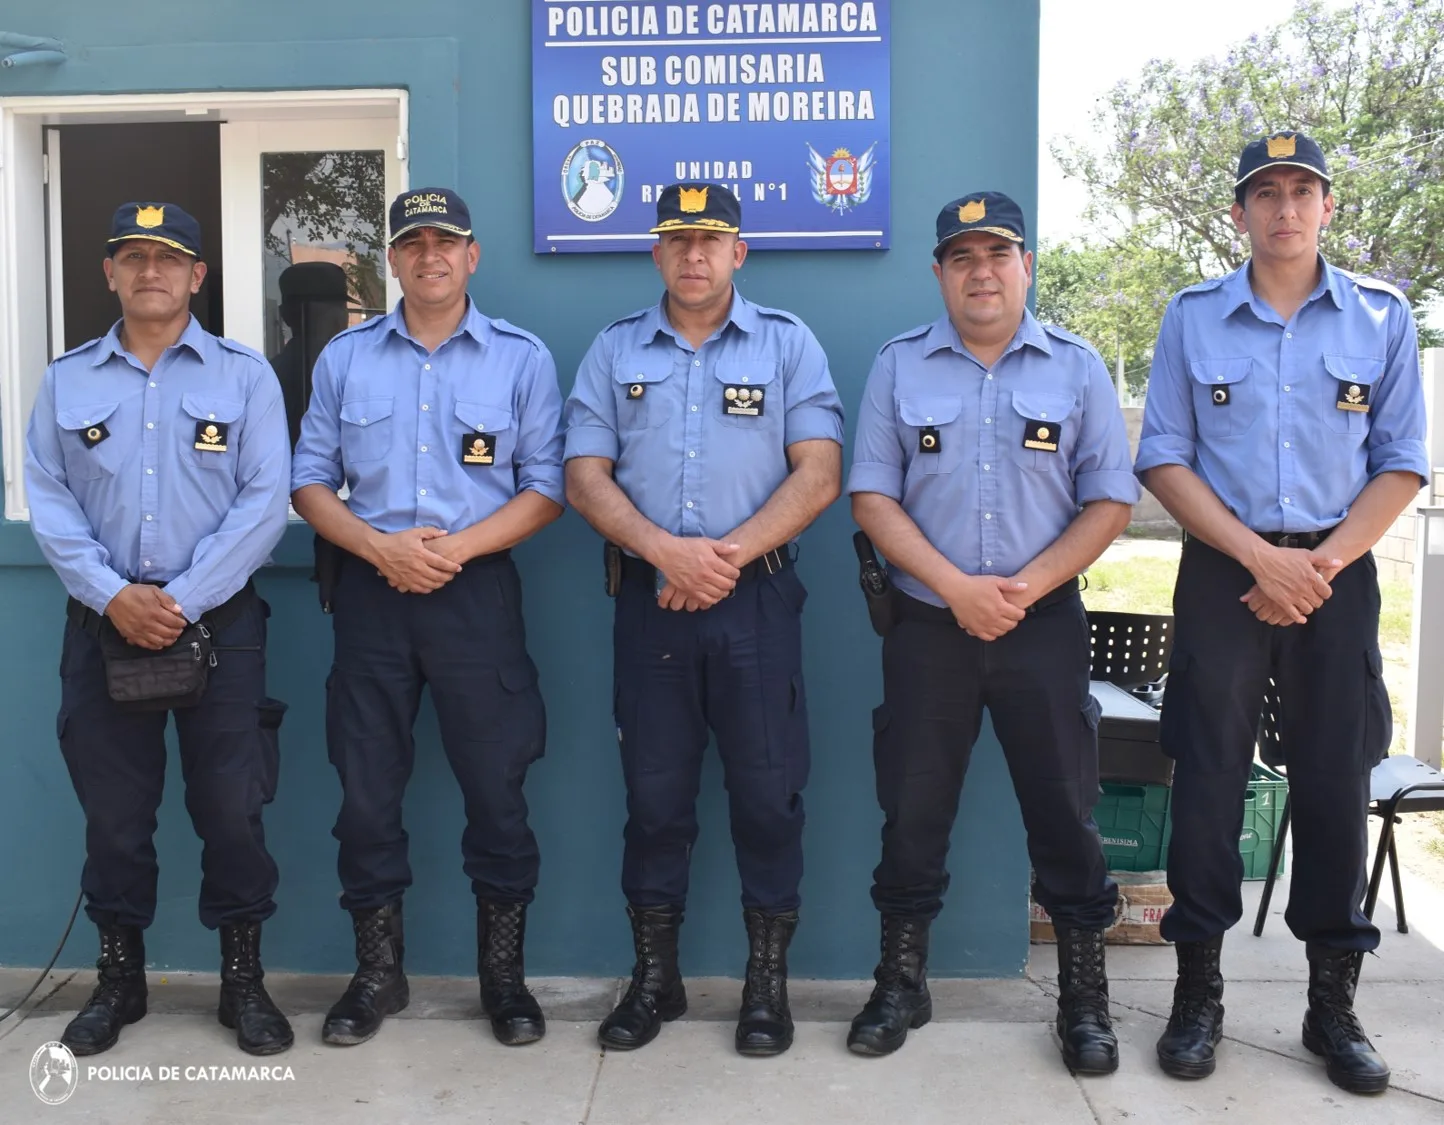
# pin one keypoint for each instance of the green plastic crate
(1133, 825)
(1263, 808)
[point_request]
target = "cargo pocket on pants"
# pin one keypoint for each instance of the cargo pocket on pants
(1173, 723)
(1378, 712)
(524, 714)
(269, 713)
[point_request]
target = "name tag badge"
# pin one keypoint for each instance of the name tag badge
(1042, 435)
(746, 401)
(1353, 396)
(478, 449)
(94, 435)
(929, 440)
(211, 436)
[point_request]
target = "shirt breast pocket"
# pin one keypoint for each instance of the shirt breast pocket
(932, 433)
(211, 431)
(1347, 397)
(1225, 401)
(645, 392)
(1045, 434)
(494, 427)
(91, 451)
(747, 395)
(366, 429)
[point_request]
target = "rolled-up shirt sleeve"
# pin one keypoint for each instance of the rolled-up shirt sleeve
(591, 408)
(539, 442)
(1397, 441)
(1170, 430)
(814, 411)
(1102, 468)
(877, 461)
(317, 459)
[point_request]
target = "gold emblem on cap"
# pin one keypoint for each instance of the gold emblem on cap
(973, 212)
(149, 217)
(693, 200)
(1280, 147)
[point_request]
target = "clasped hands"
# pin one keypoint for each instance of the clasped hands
(1289, 584)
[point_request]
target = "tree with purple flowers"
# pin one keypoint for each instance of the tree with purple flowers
(1366, 81)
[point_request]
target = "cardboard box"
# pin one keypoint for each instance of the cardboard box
(1142, 900)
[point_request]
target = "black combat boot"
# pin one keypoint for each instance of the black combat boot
(1195, 1025)
(764, 1025)
(1085, 1030)
(656, 994)
(900, 1000)
(1333, 1030)
(379, 988)
(119, 997)
(245, 1005)
(516, 1017)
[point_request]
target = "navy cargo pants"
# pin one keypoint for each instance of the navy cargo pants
(467, 643)
(1034, 683)
(737, 669)
(229, 755)
(1334, 727)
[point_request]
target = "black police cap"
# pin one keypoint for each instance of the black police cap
(1290, 149)
(709, 206)
(429, 207)
(989, 211)
(155, 222)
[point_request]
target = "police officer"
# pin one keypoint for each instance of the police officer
(313, 307)
(157, 471)
(444, 424)
(703, 435)
(1285, 431)
(991, 469)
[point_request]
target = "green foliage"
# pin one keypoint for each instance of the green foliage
(1366, 81)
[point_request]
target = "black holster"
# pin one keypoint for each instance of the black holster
(877, 590)
(328, 571)
(612, 567)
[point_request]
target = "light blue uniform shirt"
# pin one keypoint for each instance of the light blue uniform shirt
(143, 503)
(987, 502)
(646, 400)
(1251, 403)
(389, 420)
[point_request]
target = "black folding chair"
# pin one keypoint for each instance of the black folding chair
(1131, 650)
(1398, 784)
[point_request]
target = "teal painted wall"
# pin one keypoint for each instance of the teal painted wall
(964, 86)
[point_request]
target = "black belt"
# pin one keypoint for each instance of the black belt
(1306, 539)
(86, 619)
(918, 610)
(773, 562)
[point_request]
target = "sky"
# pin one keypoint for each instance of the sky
(1088, 46)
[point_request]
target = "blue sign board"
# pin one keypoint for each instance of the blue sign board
(785, 103)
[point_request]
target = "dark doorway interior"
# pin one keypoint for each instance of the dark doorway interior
(103, 166)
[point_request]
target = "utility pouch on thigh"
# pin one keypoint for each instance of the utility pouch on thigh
(141, 679)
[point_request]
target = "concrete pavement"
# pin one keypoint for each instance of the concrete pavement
(988, 1056)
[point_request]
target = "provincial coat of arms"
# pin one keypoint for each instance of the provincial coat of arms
(841, 181)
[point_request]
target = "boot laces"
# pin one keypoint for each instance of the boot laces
(1086, 969)
(502, 953)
